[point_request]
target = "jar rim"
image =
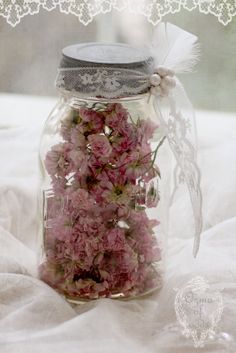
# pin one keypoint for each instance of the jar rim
(81, 97)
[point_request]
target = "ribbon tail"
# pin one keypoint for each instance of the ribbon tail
(180, 132)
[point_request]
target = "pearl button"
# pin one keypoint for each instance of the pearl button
(155, 80)
(163, 71)
(168, 82)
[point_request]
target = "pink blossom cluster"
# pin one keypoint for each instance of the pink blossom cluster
(99, 241)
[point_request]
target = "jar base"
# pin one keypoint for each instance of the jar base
(118, 296)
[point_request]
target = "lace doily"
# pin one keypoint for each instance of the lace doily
(86, 10)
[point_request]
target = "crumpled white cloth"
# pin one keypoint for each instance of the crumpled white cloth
(35, 319)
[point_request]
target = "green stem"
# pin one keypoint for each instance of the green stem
(156, 150)
(155, 154)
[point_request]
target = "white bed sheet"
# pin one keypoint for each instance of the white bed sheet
(35, 319)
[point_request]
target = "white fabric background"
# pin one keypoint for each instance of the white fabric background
(35, 319)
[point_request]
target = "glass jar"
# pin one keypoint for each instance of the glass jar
(104, 221)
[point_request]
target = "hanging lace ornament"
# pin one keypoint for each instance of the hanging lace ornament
(87, 10)
(173, 51)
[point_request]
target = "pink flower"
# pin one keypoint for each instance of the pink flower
(93, 118)
(56, 161)
(115, 239)
(96, 165)
(113, 175)
(80, 199)
(106, 212)
(90, 227)
(120, 194)
(138, 220)
(122, 144)
(116, 115)
(135, 164)
(123, 212)
(79, 161)
(120, 262)
(124, 138)
(146, 129)
(100, 145)
(77, 157)
(107, 192)
(68, 123)
(127, 164)
(77, 138)
(59, 184)
(60, 227)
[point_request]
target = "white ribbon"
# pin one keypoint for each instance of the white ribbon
(165, 87)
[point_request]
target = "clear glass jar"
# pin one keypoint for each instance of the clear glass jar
(103, 202)
(104, 223)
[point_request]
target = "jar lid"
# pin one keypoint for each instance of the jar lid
(104, 69)
(104, 54)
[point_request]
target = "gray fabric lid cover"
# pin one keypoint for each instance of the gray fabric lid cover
(104, 54)
(97, 55)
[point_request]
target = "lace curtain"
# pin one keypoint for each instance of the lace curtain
(86, 10)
